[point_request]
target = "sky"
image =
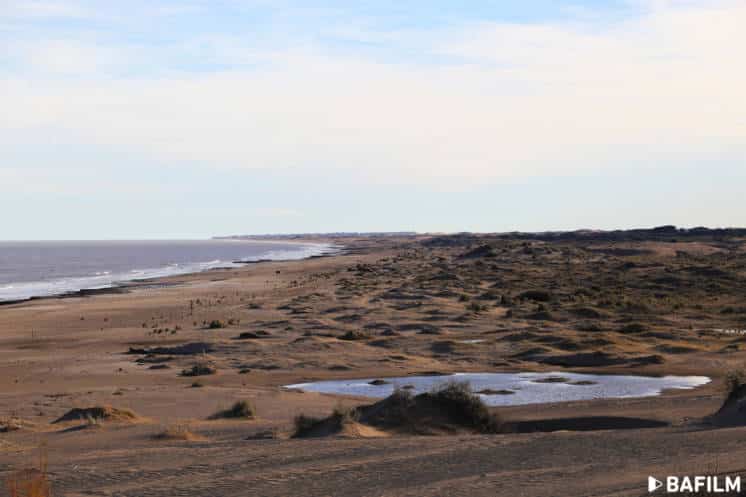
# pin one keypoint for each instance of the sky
(193, 118)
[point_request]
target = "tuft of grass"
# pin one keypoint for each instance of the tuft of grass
(589, 326)
(178, 431)
(542, 315)
(461, 404)
(242, 409)
(476, 307)
(354, 335)
(734, 380)
(92, 416)
(216, 324)
(92, 421)
(536, 296)
(341, 416)
(345, 415)
(199, 370)
(633, 328)
(304, 424)
(9, 424)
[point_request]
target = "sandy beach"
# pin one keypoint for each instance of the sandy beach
(387, 307)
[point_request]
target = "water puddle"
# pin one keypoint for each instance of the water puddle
(512, 389)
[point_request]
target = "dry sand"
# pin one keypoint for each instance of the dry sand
(61, 354)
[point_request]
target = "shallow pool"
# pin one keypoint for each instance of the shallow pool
(511, 389)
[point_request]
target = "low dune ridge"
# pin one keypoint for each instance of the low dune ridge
(450, 409)
(99, 413)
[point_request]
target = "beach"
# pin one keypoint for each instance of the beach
(385, 307)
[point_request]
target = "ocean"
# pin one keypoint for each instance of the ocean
(38, 269)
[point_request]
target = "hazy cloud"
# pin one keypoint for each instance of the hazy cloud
(468, 103)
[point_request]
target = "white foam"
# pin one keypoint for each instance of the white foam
(106, 279)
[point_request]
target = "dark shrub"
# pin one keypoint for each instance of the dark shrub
(464, 406)
(541, 316)
(734, 380)
(588, 313)
(241, 409)
(489, 295)
(536, 295)
(589, 326)
(199, 370)
(354, 335)
(633, 328)
(305, 424)
(476, 307)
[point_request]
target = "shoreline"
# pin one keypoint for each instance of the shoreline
(325, 249)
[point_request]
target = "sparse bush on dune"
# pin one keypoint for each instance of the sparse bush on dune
(734, 380)
(476, 307)
(489, 295)
(397, 408)
(731, 413)
(481, 251)
(354, 335)
(589, 326)
(305, 424)
(12, 423)
(536, 295)
(633, 328)
(541, 316)
(250, 335)
(94, 415)
(587, 313)
(345, 415)
(242, 409)
(179, 431)
(341, 417)
(449, 408)
(465, 406)
(199, 370)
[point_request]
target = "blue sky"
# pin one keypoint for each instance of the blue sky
(182, 119)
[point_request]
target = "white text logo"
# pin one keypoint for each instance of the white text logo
(695, 484)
